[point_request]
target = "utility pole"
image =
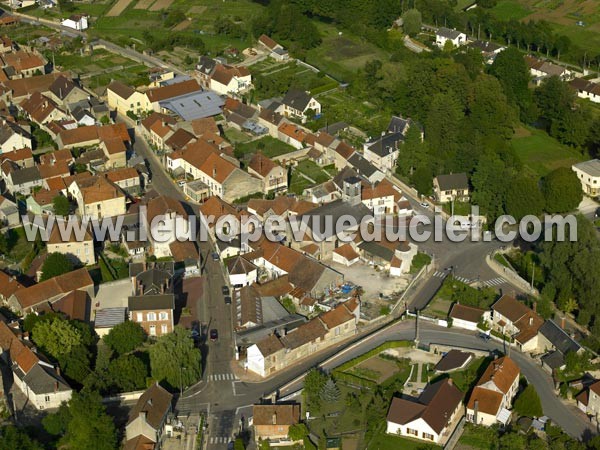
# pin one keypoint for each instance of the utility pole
(532, 275)
(417, 330)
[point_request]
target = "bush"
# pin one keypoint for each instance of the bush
(55, 264)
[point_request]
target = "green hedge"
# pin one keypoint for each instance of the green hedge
(354, 380)
(324, 88)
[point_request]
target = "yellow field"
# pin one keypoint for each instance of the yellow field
(118, 8)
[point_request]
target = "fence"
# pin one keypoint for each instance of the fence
(508, 273)
(439, 322)
(123, 397)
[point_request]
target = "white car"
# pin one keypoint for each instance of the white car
(424, 204)
(181, 183)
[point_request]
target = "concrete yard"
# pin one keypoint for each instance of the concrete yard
(113, 294)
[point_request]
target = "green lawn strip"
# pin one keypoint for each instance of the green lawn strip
(419, 261)
(510, 9)
(268, 145)
(478, 437)
(384, 441)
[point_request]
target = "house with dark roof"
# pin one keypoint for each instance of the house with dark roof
(491, 398)
(588, 400)
(13, 136)
(489, 50)
(365, 169)
(20, 180)
(64, 91)
(152, 302)
(432, 417)
(296, 104)
(241, 271)
(556, 342)
(9, 213)
(451, 187)
(147, 419)
(453, 360)
(586, 89)
(444, 35)
(383, 151)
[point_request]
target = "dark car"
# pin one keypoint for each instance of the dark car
(227, 300)
(597, 214)
(215, 256)
(225, 290)
(214, 335)
(484, 336)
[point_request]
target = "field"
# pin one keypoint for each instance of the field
(143, 4)
(541, 153)
(161, 5)
(118, 8)
(376, 369)
(342, 55)
(563, 15)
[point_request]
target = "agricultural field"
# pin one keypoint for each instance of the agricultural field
(564, 16)
(341, 54)
(541, 153)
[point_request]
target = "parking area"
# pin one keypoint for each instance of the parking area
(372, 281)
(112, 295)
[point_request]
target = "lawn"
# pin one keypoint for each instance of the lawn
(419, 261)
(313, 171)
(19, 246)
(478, 437)
(465, 379)
(336, 418)
(383, 441)
(268, 145)
(510, 9)
(438, 308)
(541, 153)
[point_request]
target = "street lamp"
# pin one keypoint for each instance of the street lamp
(181, 368)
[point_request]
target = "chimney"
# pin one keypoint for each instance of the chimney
(530, 321)
(274, 418)
(562, 322)
(450, 381)
(214, 172)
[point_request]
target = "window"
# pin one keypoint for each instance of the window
(412, 432)
(151, 316)
(164, 329)
(163, 316)
(47, 398)
(427, 436)
(139, 317)
(152, 330)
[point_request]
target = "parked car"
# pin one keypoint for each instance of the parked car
(424, 204)
(225, 290)
(214, 334)
(228, 300)
(215, 256)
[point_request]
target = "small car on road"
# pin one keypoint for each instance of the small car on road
(225, 290)
(227, 300)
(215, 256)
(214, 334)
(424, 204)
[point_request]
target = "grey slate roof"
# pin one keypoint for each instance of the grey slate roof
(44, 380)
(399, 124)
(195, 105)
(297, 99)
(386, 144)
(25, 175)
(554, 360)
(318, 216)
(558, 337)
(591, 167)
(453, 181)
(375, 249)
(62, 87)
(448, 33)
(206, 65)
(149, 302)
(362, 166)
(109, 317)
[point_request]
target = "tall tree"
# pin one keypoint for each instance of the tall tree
(128, 373)
(175, 359)
(562, 190)
(523, 197)
(57, 337)
(442, 126)
(412, 22)
(13, 438)
(330, 391)
(83, 424)
(61, 205)
(54, 265)
(488, 109)
(125, 337)
(510, 69)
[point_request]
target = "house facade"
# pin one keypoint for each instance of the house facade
(444, 35)
(272, 422)
(452, 187)
(588, 173)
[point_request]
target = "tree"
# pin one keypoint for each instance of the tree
(57, 337)
(56, 264)
(512, 441)
(128, 373)
(562, 190)
(313, 383)
(76, 363)
(238, 444)
(412, 22)
(83, 423)
(488, 108)
(12, 438)
(61, 205)
(510, 69)
(523, 197)
(125, 337)
(330, 392)
(528, 403)
(297, 432)
(175, 359)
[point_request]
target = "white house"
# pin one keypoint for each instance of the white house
(444, 35)
(586, 89)
(77, 22)
(241, 272)
(468, 317)
(491, 399)
(167, 222)
(297, 103)
(432, 417)
(13, 137)
(588, 173)
(345, 255)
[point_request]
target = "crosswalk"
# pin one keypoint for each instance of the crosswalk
(464, 280)
(494, 282)
(222, 377)
(219, 440)
(440, 274)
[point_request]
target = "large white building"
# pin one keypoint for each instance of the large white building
(588, 173)
(444, 35)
